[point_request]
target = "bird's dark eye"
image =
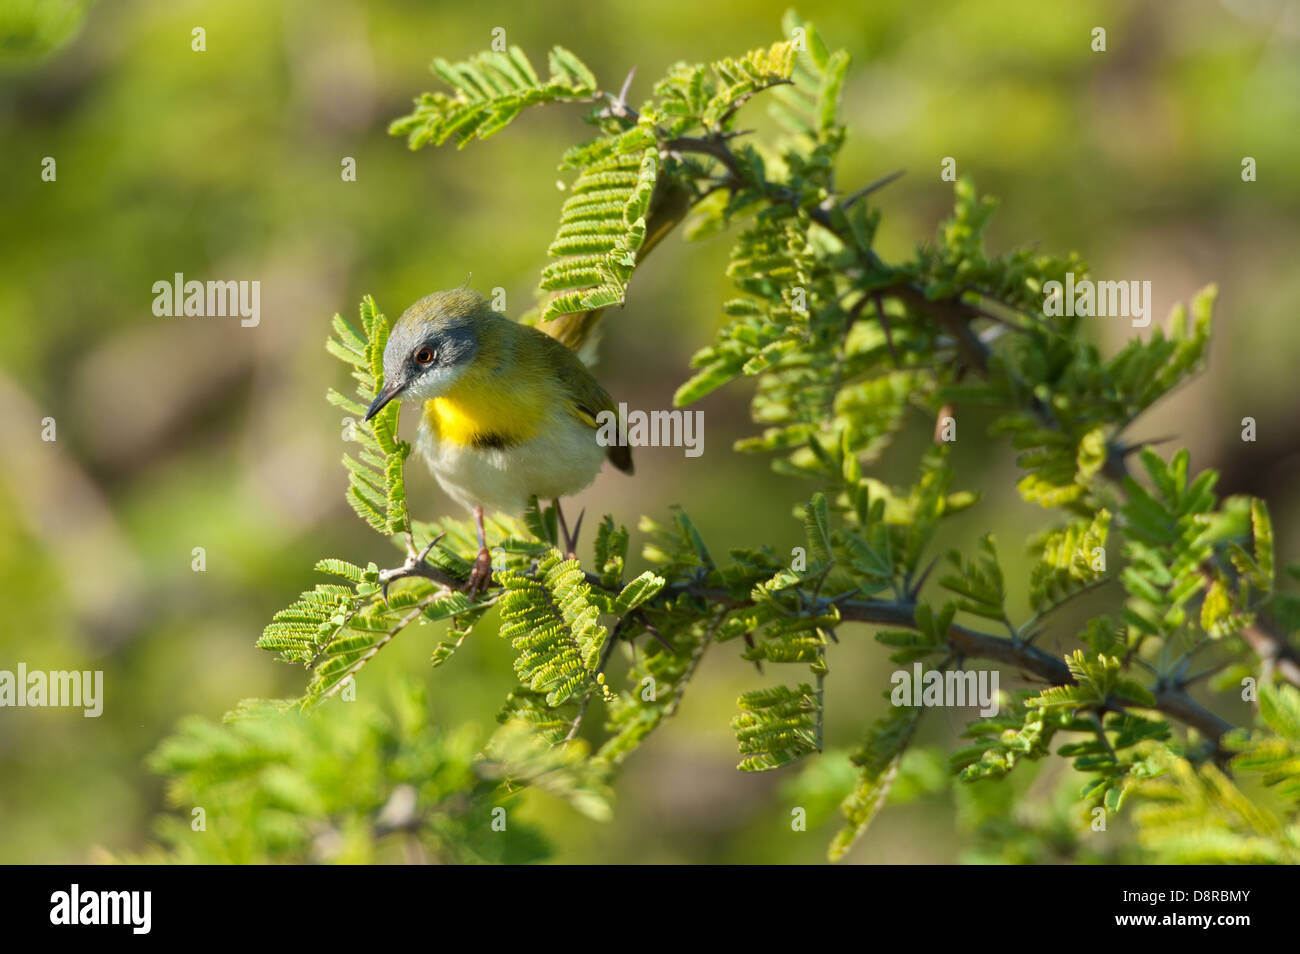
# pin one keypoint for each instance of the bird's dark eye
(424, 355)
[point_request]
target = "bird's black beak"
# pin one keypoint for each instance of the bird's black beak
(386, 394)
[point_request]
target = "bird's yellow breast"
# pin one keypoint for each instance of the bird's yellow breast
(481, 415)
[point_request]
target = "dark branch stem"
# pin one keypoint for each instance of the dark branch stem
(969, 643)
(957, 318)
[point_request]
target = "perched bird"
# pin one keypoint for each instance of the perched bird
(507, 412)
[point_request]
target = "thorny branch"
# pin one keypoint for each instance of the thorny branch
(967, 642)
(956, 316)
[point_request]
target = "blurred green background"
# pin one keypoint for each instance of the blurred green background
(180, 433)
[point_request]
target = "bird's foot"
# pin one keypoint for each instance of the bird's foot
(480, 576)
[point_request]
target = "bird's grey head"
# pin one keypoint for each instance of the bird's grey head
(430, 346)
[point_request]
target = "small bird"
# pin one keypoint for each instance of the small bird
(508, 412)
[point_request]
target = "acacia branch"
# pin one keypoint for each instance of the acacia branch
(967, 642)
(957, 318)
(974, 644)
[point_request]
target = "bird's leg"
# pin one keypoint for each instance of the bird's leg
(570, 542)
(564, 527)
(480, 577)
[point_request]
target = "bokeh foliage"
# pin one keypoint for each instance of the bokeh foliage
(1045, 123)
(827, 326)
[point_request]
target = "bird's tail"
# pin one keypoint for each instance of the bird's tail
(579, 330)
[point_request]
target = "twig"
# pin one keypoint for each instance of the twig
(415, 561)
(746, 97)
(605, 652)
(383, 641)
(868, 189)
(696, 656)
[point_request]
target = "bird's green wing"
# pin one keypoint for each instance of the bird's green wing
(587, 399)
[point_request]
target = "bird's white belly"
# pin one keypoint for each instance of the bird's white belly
(561, 459)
